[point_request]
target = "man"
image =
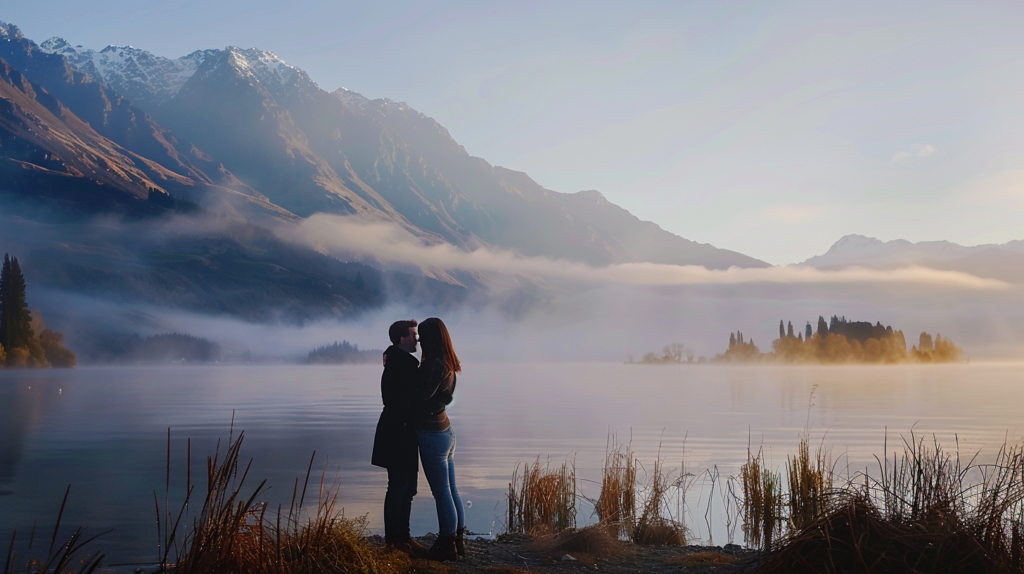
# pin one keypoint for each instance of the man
(394, 444)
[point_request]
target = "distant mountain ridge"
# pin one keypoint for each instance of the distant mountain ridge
(998, 261)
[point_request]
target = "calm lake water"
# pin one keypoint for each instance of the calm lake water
(104, 431)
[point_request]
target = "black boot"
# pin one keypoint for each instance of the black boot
(460, 541)
(443, 550)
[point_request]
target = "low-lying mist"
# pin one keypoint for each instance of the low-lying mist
(349, 237)
(608, 323)
(525, 308)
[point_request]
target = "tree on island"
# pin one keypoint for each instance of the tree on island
(740, 351)
(844, 342)
(676, 353)
(19, 344)
(15, 318)
(343, 352)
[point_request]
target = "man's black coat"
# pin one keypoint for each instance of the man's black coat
(394, 444)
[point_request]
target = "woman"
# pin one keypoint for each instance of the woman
(435, 387)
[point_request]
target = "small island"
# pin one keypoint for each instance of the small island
(839, 342)
(24, 339)
(836, 342)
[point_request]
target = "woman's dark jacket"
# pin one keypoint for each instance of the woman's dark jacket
(435, 387)
(394, 444)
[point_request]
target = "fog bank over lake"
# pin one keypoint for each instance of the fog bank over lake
(104, 430)
(561, 323)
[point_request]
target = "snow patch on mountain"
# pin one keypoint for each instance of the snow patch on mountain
(10, 32)
(143, 77)
(147, 79)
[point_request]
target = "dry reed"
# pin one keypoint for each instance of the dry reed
(762, 502)
(66, 556)
(654, 525)
(542, 501)
(810, 484)
(616, 504)
(236, 534)
(926, 510)
(585, 544)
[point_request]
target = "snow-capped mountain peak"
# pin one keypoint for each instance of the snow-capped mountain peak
(267, 67)
(10, 31)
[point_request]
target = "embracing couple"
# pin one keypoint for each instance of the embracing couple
(415, 395)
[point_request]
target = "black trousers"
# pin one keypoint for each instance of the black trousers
(398, 503)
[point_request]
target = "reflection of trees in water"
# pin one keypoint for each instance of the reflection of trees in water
(22, 405)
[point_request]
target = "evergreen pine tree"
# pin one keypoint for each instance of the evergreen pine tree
(782, 330)
(15, 317)
(808, 332)
(732, 340)
(789, 330)
(22, 314)
(822, 327)
(6, 303)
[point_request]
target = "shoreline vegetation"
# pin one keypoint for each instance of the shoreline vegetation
(342, 353)
(922, 509)
(25, 342)
(837, 342)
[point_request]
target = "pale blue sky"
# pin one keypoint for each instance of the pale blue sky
(771, 128)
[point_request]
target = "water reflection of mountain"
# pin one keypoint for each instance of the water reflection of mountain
(23, 401)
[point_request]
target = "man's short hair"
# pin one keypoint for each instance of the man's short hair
(400, 329)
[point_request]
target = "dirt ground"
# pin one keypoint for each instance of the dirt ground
(512, 554)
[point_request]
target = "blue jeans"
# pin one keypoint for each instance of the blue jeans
(437, 451)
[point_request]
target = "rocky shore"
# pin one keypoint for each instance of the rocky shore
(514, 554)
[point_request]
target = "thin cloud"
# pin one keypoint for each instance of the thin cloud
(352, 238)
(916, 150)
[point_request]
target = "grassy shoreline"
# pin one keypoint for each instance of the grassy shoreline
(924, 509)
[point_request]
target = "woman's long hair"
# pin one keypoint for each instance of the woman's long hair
(436, 342)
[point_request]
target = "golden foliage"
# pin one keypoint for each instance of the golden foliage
(18, 357)
(887, 347)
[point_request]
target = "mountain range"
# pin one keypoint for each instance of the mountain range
(994, 261)
(238, 135)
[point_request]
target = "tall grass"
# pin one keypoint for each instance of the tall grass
(63, 559)
(616, 504)
(654, 523)
(810, 483)
(925, 510)
(541, 500)
(762, 502)
(233, 533)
